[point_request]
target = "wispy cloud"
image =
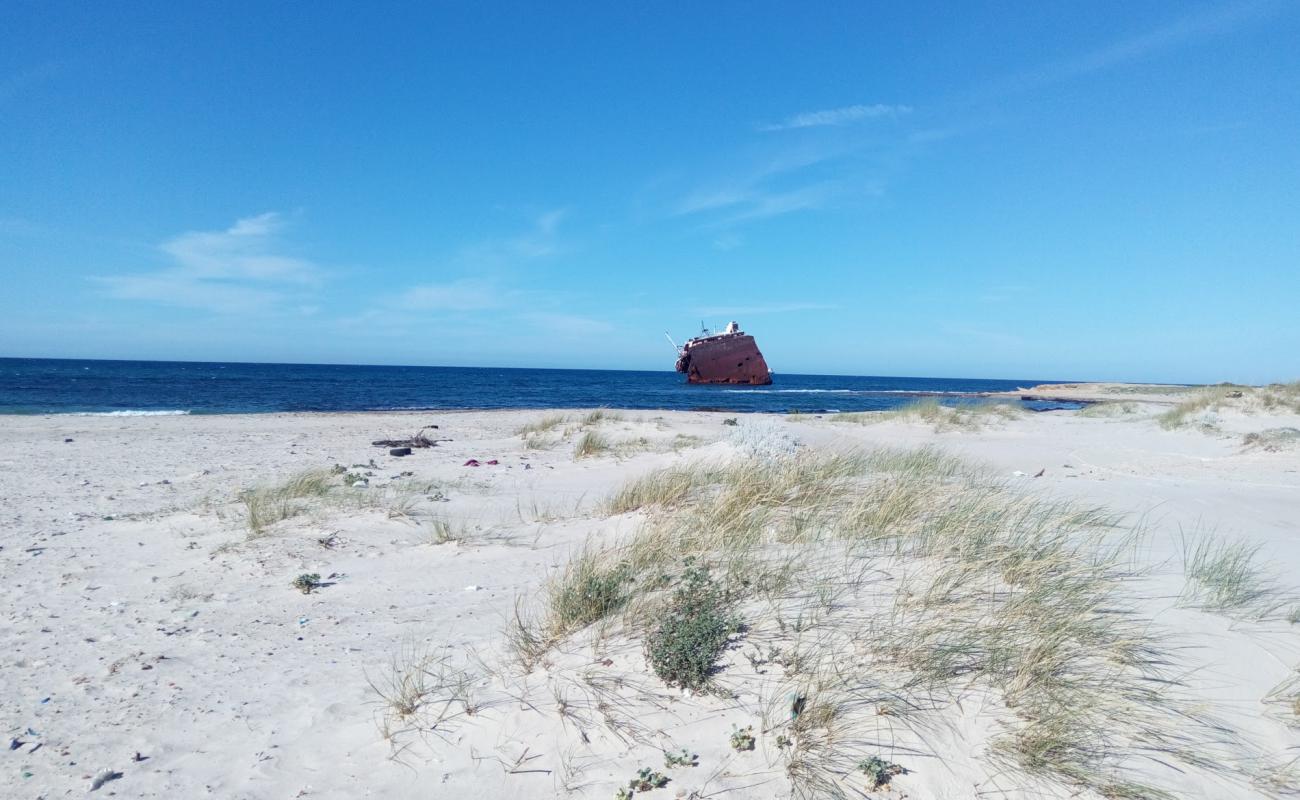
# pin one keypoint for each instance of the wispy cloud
(568, 324)
(837, 116)
(542, 239)
(237, 270)
(462, 295)
(728, 241)
(1198, 25)
(753, 310)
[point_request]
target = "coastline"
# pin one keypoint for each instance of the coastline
(143, 615)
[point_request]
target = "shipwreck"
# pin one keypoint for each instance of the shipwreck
(728, 357)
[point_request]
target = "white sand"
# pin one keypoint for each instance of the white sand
(140, 618)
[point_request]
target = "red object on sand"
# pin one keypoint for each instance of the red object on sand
(473, 462)
(493, 463)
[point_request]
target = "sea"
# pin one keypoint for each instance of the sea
(138, 388)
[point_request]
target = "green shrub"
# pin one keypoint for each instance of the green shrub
(681, 758)
(879, 771)
(742, 739)
(692, 632)
(306, 582)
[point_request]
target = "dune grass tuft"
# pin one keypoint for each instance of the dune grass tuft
(590, 444)
(267, 505)
(1109, 410)
(601, 415)
(942, 416)
(545, 424)
(1226, 578)
(1273, 440)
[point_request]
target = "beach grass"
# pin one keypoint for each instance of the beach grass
(941, 416)
(590, 444)
(545, 424)
(1029, 598)
(1109, 410)
(1228, 578)
(266, 505)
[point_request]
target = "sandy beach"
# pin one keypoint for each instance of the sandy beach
(154, 645)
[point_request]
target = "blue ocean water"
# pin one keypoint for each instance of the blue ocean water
(58, 386)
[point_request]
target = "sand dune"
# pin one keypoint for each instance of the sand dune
(998, 606)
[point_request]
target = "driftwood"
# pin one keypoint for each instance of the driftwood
(419, 440)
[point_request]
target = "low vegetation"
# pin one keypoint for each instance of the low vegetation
(591, 444)
(691, 631)
(941, 416)
(307, 582)
(1110, 410)
(990, 592)
(268, 505)
(1227, 578)
(1273, 440)
(1199, 408)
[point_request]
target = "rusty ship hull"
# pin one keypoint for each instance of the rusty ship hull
(727, 358)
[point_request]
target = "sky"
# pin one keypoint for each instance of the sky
(1066, 190)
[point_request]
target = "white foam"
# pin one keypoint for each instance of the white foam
(129, 413)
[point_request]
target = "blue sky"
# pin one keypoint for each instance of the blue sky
(1035, 190)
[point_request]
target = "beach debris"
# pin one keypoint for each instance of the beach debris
(473, 462)
(419, 440)
(104, 777)
(400, 451)
(492, 463)
(14, 744)
(1039, 473)
(65, 441)
(138, 758)
(473, 587)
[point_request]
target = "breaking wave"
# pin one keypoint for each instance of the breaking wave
(128, 413)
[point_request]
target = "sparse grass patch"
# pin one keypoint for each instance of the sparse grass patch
(598, 416)
(1205, 399)
(930, 411)
(1226, 578)
(268, 505)
(423, 692)
(546, 424)
(440, 531)
(659, 489)
(1273, 440)
(590, 444)
(1283, 701)
(587, 591)
(1109, 410)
